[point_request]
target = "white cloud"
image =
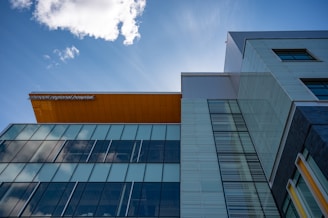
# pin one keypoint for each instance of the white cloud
(67, 53)
(104, 19)
(21, 4)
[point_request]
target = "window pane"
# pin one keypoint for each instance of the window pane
(110, 199)
(117, 172)
(129, 132)
(86, 132)
(115, 132)
(9, 149)
(144, 132)
(47, 151)
(156, 151)
(12, 132)
(120, 151)
(171, 173)
(64, 172)
(71, 132)
(100, 173)
(149, 199)
(159, 132)
(82, 172)
(170, 199)
(144, 152)
(46, 173)
(100, 132)
(153, 173)
(99, 151)
(173, 132)
(28, 150)
(27, 132)
(28, 173)
(135, 199)
(89, 200)
(10, 173)
(42, 132)
(172, 151)
(75, 199)
(75, 151)
(57, 132)
(135, 172)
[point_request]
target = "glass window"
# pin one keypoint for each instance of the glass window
(172, 151)
(294, 55)
(171, 173)
(28, 173)
(100, 172)
(57, 132)
(75, 151)
(149, 200)
(71, 132)
(99, 151)
(153, 173)
(11, 171)
(144, 132)
(82, 172)
(120, 151)
(64, 172)
(27, 132)
(86, 132)
(117, 172)
(110, 199)
(170, 199)
(100, 132)
(42, 132)
(135, 173)
(115, 132)
(319, 87)
(75, 199)
(90, 197)
(144, 152)
(159, 132)
(2, 166)
(27, 152)
(129, 132)
(219, 106)
(12, 132)
(156, 151)
(173, 132)
(14, 198)
(46, 173)
(47, 151)
(223, 122)
(9, 149)
(135, 199)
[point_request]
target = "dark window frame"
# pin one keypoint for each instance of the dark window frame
(317, 86)
(294, 55)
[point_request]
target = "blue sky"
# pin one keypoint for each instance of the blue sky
(140, 45)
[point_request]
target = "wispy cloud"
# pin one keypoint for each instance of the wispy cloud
(60, 55)
(21, 4)
(67, 53)
(105, 19)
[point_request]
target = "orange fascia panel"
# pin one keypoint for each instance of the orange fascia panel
(107, 108)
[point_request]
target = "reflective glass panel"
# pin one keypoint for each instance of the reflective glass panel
(27, 132)
(117, 172)
(28, 173)
(42, 132)
(75, 199)
(99, 151)
(129, 132)
(149, 199)
(82, 172)
(172, 151)
(9, 149)
(115, 132)
(100, 132)
(47, 151)
(171, 173)
(86, 132)
(100, 172)
(170, 199)
(64, 172)
(144, 132)
(159, 132)
(46, 173)
(11, 171)
(75, 151)
(120, 151)
(156, 151)
(71, 132)
(173, 132)
(135, 172)
(12, 132)
(153, 173)
(28, 150)
(57, 132)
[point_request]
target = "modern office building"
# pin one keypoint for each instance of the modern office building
(249, 142)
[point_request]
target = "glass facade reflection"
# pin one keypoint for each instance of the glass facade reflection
(94, 170)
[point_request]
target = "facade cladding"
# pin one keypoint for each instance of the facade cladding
(249, 142)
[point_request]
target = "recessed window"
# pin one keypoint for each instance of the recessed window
(294, 55)
(319, 87)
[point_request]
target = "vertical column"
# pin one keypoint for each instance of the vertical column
(201, 187)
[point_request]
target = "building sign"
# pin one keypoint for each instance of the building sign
(62, 97)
